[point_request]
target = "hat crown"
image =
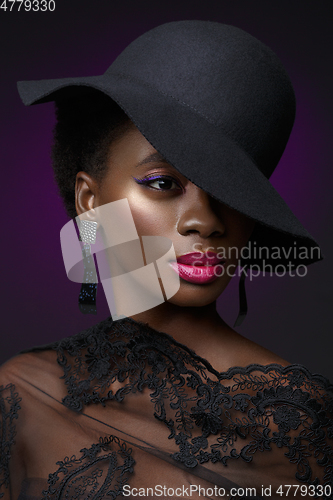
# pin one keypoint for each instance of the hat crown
(223, 73)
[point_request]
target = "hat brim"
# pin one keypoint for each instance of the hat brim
(202, 152)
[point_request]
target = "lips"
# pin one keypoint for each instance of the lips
(199, 259)
(199, 268)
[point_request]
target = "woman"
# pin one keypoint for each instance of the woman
(186, 126)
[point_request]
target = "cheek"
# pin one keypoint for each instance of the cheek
(249, 226)
(144, 214)
(150, 218)
(243, 228)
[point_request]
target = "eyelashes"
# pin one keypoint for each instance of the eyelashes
(162, 182)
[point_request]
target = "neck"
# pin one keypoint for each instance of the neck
(188, 325)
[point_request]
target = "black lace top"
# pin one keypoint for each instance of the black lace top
(123, 410)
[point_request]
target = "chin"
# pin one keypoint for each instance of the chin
(190, 295)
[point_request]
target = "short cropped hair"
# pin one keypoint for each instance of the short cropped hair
(87, 123)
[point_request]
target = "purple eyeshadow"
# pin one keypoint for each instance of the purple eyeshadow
(147, 179)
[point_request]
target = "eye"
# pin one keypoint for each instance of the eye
(163, 183)
(159, 182)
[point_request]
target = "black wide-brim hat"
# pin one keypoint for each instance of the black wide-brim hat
(219, 106)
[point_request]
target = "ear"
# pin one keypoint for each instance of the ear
(86, 189)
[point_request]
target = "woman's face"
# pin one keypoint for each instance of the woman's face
(165, 203)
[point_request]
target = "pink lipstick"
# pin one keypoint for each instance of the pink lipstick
(198, 267)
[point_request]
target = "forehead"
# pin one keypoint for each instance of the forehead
(134, 151)
(131, 145)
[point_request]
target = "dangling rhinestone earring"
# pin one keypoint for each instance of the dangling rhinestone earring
(242, 299)
(88, 292)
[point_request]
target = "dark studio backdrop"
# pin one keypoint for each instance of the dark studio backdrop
(291, 316)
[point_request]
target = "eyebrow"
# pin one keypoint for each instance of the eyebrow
(151, 158)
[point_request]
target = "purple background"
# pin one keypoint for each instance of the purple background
(291, 316)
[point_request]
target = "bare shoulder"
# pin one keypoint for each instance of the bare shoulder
(32, 370)
(241, 351)
(251, 352)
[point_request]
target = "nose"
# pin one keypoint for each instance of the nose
(201, 215)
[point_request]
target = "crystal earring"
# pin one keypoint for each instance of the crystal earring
(242, 299)
(88, 292)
